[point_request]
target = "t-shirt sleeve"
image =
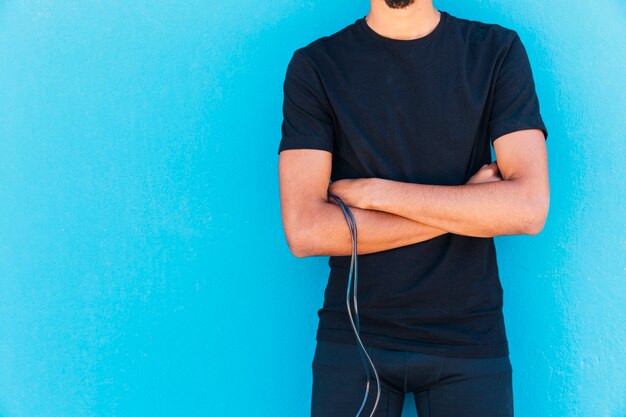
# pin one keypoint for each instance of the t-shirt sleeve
(515, 103)
(307, 114)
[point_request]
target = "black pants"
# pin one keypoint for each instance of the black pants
(442, 386)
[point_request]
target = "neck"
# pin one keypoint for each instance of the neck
(412, 22)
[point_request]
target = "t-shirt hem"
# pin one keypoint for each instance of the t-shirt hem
(304, 142)
(510, 126)
(386, 342)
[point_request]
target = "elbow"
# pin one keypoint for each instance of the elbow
(534, 228)
(298, 250)
(295, 246)
(537, 215)
(302, 231)
(299, 244)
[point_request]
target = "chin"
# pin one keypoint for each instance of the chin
(399, 4)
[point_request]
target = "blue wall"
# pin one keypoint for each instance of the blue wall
(143, 267)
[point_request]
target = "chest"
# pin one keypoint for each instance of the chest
(413, 117)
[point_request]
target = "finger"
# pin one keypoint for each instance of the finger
(494, 166)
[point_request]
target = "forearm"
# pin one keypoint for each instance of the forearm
(482, 210)
(326, 232)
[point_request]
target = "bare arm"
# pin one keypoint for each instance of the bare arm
(316, 227)
(516, 205)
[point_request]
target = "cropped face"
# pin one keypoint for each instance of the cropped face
(399, 4)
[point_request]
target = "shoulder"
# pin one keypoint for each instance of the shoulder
(330, 40)
(491, 35)
(326, 47)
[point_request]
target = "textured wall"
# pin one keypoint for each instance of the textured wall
(143, 267)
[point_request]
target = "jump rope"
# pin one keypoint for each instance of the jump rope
(353, 267)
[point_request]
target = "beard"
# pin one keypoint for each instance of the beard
(399, 4)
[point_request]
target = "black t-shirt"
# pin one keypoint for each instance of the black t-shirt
(422, 111)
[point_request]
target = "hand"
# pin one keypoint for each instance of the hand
(353, 192)
(486, 173)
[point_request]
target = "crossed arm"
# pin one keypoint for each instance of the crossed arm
(390, 214)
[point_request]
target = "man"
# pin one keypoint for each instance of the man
(399, 110)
